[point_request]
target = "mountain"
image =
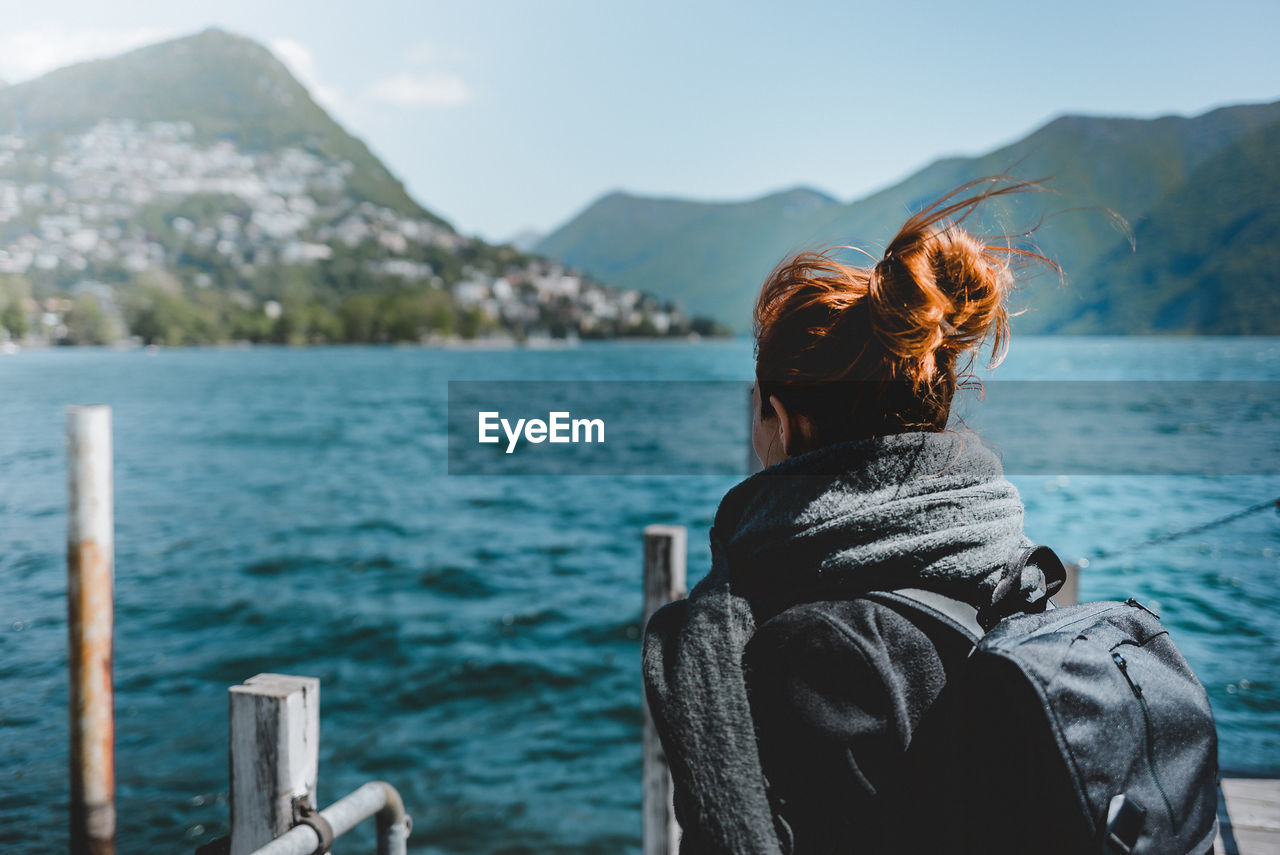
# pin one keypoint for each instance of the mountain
(713, 256)
(192, 192)
(228, 87)
(524, 240)
(1209, 258)
(703, 251)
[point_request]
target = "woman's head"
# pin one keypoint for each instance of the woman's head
(845, 352)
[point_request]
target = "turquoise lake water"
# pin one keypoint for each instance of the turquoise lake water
(476, 637)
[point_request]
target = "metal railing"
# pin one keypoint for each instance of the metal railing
(376, 798)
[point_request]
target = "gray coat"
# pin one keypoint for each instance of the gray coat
(785, 703)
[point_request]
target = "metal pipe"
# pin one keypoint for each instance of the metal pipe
(90, 617)
(394, 824)
(376, 798)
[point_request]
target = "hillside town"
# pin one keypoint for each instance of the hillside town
(90, 220)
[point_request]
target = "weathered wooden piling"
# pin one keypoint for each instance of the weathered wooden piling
(90, 619)
(275, 756)
(666, 549)
(275, 750)
(1069, 593)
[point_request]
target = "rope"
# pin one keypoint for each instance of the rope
(1175, 535)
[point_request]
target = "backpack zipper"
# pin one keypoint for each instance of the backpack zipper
(1146, 717)
(1137, 605)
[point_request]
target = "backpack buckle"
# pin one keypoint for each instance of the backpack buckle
(1125, 818)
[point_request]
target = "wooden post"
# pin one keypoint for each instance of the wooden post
(665, 559)
(90, 620)
(1069, 593)
(275, 741)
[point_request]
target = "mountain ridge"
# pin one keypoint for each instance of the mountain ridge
(1097, 166)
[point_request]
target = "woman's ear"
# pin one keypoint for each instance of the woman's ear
(793, 428)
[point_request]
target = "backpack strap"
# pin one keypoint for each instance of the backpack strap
(956, 614)
(973, 622)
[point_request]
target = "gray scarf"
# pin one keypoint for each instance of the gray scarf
(927, 510)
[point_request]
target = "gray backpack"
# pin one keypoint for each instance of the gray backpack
(1068, 730)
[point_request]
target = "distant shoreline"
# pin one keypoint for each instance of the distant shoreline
(488, 345)
(8, 348)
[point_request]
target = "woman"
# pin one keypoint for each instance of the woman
(785, 701)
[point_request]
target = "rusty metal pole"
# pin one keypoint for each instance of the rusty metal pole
(90, 617)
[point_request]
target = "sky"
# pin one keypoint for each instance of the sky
(510, 115)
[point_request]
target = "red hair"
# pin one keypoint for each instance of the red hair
(874, 351)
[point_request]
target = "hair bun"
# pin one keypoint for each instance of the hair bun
(936, 294)
(869, 352)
